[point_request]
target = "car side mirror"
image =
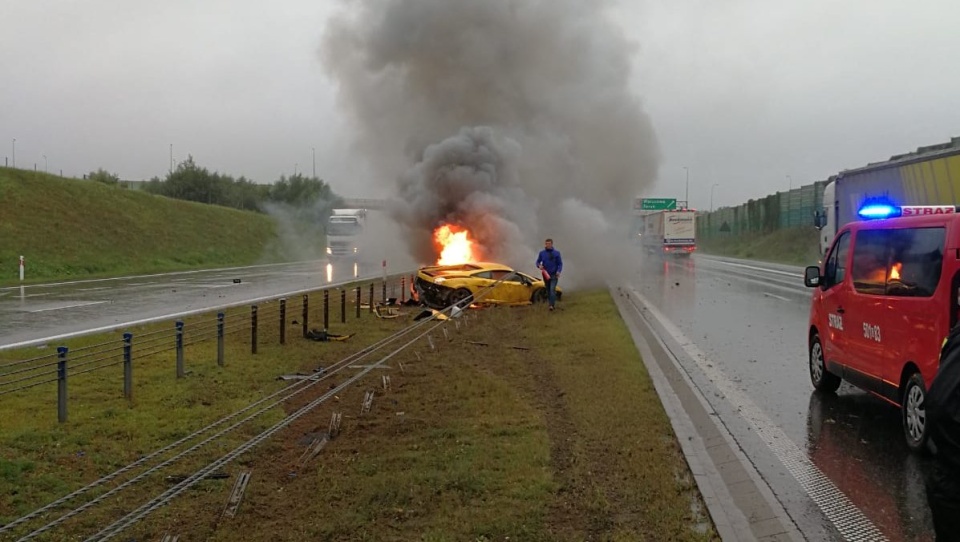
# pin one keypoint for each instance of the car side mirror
(811, 276)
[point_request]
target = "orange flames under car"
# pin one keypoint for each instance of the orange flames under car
(454, 245)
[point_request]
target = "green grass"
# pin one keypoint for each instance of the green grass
(564, 439)
(70, 228)
(794, 246)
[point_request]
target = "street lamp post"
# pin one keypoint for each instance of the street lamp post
(14, 154)
(687, 197)
(314, 162)
(711, 195)
(44, 163)
(790, 182)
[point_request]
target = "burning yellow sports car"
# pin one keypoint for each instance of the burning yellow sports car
(443, 285)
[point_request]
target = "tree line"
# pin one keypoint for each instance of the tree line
(192, 182)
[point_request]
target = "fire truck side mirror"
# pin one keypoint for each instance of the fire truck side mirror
(811, 276)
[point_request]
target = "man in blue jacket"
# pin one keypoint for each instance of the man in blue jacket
(550, 264)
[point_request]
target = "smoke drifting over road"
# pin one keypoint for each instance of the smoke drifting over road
(510, 117)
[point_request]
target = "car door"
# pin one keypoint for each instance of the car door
(868, 309)
(833, 300)
(480, 285)
(512, 289)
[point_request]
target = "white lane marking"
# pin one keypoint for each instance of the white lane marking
(845, 516)
(40, 295)
(770, 283)
(181, 314)
(73, 306)
(175, 273)
(93, 289)
(775, 296)
(764, 269)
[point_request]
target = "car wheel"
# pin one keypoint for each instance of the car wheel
(461, 297)
(822, 379)
(540, 296)
(913, 407)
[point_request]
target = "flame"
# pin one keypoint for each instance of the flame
(454, 245)
(895, 271)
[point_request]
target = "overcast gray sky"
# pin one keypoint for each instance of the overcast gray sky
(743, 92)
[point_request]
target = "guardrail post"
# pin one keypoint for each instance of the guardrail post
(179, 349)
(359, 294)
(403, 289)
(326, 310)
(306, 313)
(128, 365)
(220, 324)
(253, 329)
(371, 298)
(283, 321)
(62, 384)
(343, 306)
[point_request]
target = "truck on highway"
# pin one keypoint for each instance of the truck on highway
(344, 230)
(929, 176)
(670, 233)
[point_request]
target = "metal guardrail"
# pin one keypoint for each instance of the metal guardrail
(20, 375)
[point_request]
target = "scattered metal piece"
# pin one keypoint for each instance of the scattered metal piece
(445, 334)
(386, 382)
(236, 496)
(400, 364)
(335, 419)
(430, 340)
(298, 376)
(371, 366)
(170, 538)
(177, 478)
(236, 281)
(419, 357)
(313, 450)
(367, 402)
(503, 345)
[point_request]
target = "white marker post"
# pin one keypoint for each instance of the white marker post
(21, 268)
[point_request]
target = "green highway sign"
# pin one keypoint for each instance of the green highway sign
(656, 204)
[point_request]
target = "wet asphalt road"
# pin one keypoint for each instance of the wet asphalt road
(45, 312)
(750, 320)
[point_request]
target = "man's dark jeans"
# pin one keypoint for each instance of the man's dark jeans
(552, 290)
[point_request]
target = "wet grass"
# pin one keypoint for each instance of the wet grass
(70, 228)
(793, 246)
(548, 430)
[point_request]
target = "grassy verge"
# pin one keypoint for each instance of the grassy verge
(794, 246)
(548, 430)
(68, 228)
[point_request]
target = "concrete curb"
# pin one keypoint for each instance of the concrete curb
(741, 505)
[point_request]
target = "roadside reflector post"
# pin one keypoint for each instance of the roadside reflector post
(21, 268)
(283, 321)
(220, 323)
(179, 325)
(343, 306)
(306, 314)
(371, 298)
(359, 293)
(62, 384)
(253, 329)
(326, 310)
(128, 365)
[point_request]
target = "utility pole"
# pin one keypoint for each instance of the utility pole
(790, 182)
(687, 197)
(14, 152)
(44, 163)
(171, 159)
(314, 162)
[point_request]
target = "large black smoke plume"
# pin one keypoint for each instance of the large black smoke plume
(512, 117)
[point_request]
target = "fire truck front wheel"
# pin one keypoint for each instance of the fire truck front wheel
(822, 379)
(914, 412)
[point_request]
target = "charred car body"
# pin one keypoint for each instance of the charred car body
(444, 285)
